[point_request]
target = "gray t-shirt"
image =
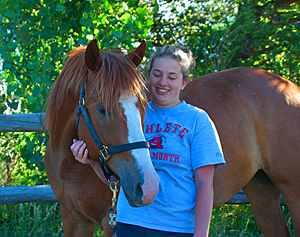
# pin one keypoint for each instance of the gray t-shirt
(182, 139)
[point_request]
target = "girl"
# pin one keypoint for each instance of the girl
(185, 150)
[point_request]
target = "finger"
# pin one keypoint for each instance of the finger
(76, 149)
(85, 158)
(81, 150)
(74, 143)
(85, 155)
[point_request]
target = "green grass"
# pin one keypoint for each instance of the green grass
(43, 219)
(238, 220)
(30, 219)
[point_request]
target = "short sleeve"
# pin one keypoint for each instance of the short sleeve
(205, 146)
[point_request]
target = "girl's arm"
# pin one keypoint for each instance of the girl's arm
(204, 199)
(81, 154)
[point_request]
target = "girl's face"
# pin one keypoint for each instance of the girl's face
(166, 82)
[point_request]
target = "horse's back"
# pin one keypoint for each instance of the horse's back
(257, 115)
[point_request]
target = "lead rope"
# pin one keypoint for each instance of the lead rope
(113, 210)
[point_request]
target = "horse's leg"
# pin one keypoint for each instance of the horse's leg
(291, 195)
(264, 197)
(74, 225)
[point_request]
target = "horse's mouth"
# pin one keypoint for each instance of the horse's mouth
(136, 199)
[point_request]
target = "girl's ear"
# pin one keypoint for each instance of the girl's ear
(184, 83)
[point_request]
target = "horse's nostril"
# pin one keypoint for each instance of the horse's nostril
(139, 191)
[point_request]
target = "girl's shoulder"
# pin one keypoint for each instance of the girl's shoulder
(188, 108)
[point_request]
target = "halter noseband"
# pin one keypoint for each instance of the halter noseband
(105, 152)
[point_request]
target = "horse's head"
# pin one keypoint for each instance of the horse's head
(116, 106)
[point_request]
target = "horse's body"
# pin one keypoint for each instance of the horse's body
(115, 105)
(257, 116)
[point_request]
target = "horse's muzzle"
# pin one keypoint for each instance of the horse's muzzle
(141, 186)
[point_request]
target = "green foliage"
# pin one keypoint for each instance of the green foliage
(35, 38)
(226, 219)
(33, 219)
(30, 219)
(270, 37)
(36, 35)
(226, 34)
(238, 220)
(23, 153)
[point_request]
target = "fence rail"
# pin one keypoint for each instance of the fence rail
(43, 193)
(27, 194)
(22, 122)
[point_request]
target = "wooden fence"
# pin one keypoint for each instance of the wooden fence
(43, 193)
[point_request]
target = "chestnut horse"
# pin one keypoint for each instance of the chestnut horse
(257, 116)
(114, 104)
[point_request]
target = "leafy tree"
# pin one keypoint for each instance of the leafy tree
(36, 35)
(226, 34)
(35, 38)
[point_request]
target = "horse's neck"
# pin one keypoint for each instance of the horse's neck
(63, 123)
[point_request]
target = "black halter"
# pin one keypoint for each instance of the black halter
(105, 152)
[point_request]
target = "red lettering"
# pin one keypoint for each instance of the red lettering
(183, 132)
(149, 127)
(176, 126)
(158, 129)
(168, 125)
(164, 156)
(154, 155)
(156, 143)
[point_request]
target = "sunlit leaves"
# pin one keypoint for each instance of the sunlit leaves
(226, 34)
(35, 37)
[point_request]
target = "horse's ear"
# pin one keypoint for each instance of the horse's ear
(92, 55)
(137, 55)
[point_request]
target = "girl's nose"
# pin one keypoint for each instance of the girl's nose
(163, 80)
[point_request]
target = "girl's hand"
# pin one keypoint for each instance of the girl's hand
(80, 152)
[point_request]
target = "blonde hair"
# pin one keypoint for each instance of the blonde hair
(179, 53)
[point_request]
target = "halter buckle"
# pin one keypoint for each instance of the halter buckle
(82, 101)
(103, 153)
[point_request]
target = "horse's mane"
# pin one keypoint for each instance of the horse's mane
(115, 75)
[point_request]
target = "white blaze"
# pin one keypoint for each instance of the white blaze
(134, 123)
(142, 156)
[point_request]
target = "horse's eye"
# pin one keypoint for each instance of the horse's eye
(101, 110)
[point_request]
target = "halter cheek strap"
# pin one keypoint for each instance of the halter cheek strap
(105, 152)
